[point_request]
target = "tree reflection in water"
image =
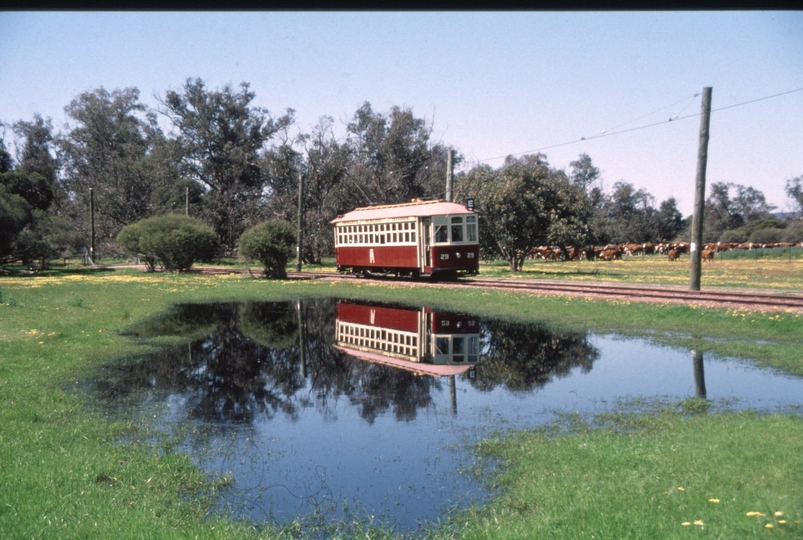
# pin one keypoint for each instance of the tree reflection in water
(244, 361)
(247, 371)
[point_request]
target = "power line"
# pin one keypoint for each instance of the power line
(607, 133)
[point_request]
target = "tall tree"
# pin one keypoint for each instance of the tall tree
(224, 136)
(794, 189)
(669, 222)
(37, 155)
(394, 159)
(730, 206)
(109, 150)
(583, 172)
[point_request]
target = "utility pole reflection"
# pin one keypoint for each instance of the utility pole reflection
(699, 374)
(453, 393)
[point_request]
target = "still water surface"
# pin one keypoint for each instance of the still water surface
(323, 410)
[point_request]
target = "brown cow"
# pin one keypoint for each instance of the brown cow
(708, 254)
(611, 254)
(673, 254)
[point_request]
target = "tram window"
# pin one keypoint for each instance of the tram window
(471, 228)
(395, 237)
(457, 229)
(458, 349)
(415, 341)
(441, 234)
(412, 237)
(441, 345)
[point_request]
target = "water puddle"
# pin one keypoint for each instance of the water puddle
(325, 410)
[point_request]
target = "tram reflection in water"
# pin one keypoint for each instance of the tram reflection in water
(423, 341)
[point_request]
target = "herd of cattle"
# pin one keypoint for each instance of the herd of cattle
(673, 250)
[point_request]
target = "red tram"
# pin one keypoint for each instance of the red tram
(420, 238)
(423, 341)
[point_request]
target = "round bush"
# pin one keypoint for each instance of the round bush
(272, 243)
(176, 240)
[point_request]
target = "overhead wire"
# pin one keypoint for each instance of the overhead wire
(608, 133)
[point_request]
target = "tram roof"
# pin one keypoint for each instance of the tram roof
(411, 209)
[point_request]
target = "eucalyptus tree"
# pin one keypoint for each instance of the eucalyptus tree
(394, 158)
(224, 136)
(37, 154)
(730, 206)
(794, 190)
(110, 150)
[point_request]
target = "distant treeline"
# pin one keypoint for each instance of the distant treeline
(233, 165)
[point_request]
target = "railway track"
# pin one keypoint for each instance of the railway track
(761, 300)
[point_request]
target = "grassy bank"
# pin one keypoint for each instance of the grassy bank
(63, 470)
(650, 476)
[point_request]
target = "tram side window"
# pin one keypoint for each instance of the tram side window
(442, 345)
(441, 234)
(457, 229)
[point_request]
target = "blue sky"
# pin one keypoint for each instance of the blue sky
(491, 84)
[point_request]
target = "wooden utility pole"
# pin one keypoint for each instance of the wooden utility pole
(187, 201)
(300, 220)
(699, 195)
(449, 174)
(91, 226)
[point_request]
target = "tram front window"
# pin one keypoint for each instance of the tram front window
(457, 229)
(471, 228)
(458, 349)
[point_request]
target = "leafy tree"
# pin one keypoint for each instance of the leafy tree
(794, 189)
(37, 149)
(110, 149)
(323, 162)
(271, 243)
(394, 160)
(730, 206)
(6, 162)
(15, 215)
(223, 136)
(583, 172)
(669, 222)
(176, 240)
(526, 204)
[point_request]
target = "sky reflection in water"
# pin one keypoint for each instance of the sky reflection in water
(335, 433)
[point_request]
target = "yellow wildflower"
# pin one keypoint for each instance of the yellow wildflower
(715, 501)
(781, 521)
(681, 489)
(686, 523)
(699, 522)
(755, 514)
(769, 525)
(778, 513)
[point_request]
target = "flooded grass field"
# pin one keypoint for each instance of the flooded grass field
(323, 410)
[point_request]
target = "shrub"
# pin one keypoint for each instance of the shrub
(766, 236)
(272, 243)
(793, 233)
(176, 240)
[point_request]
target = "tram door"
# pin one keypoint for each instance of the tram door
(425, 236)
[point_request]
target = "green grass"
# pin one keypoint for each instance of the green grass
(650, 476)
(64, 471)
(731, 269)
